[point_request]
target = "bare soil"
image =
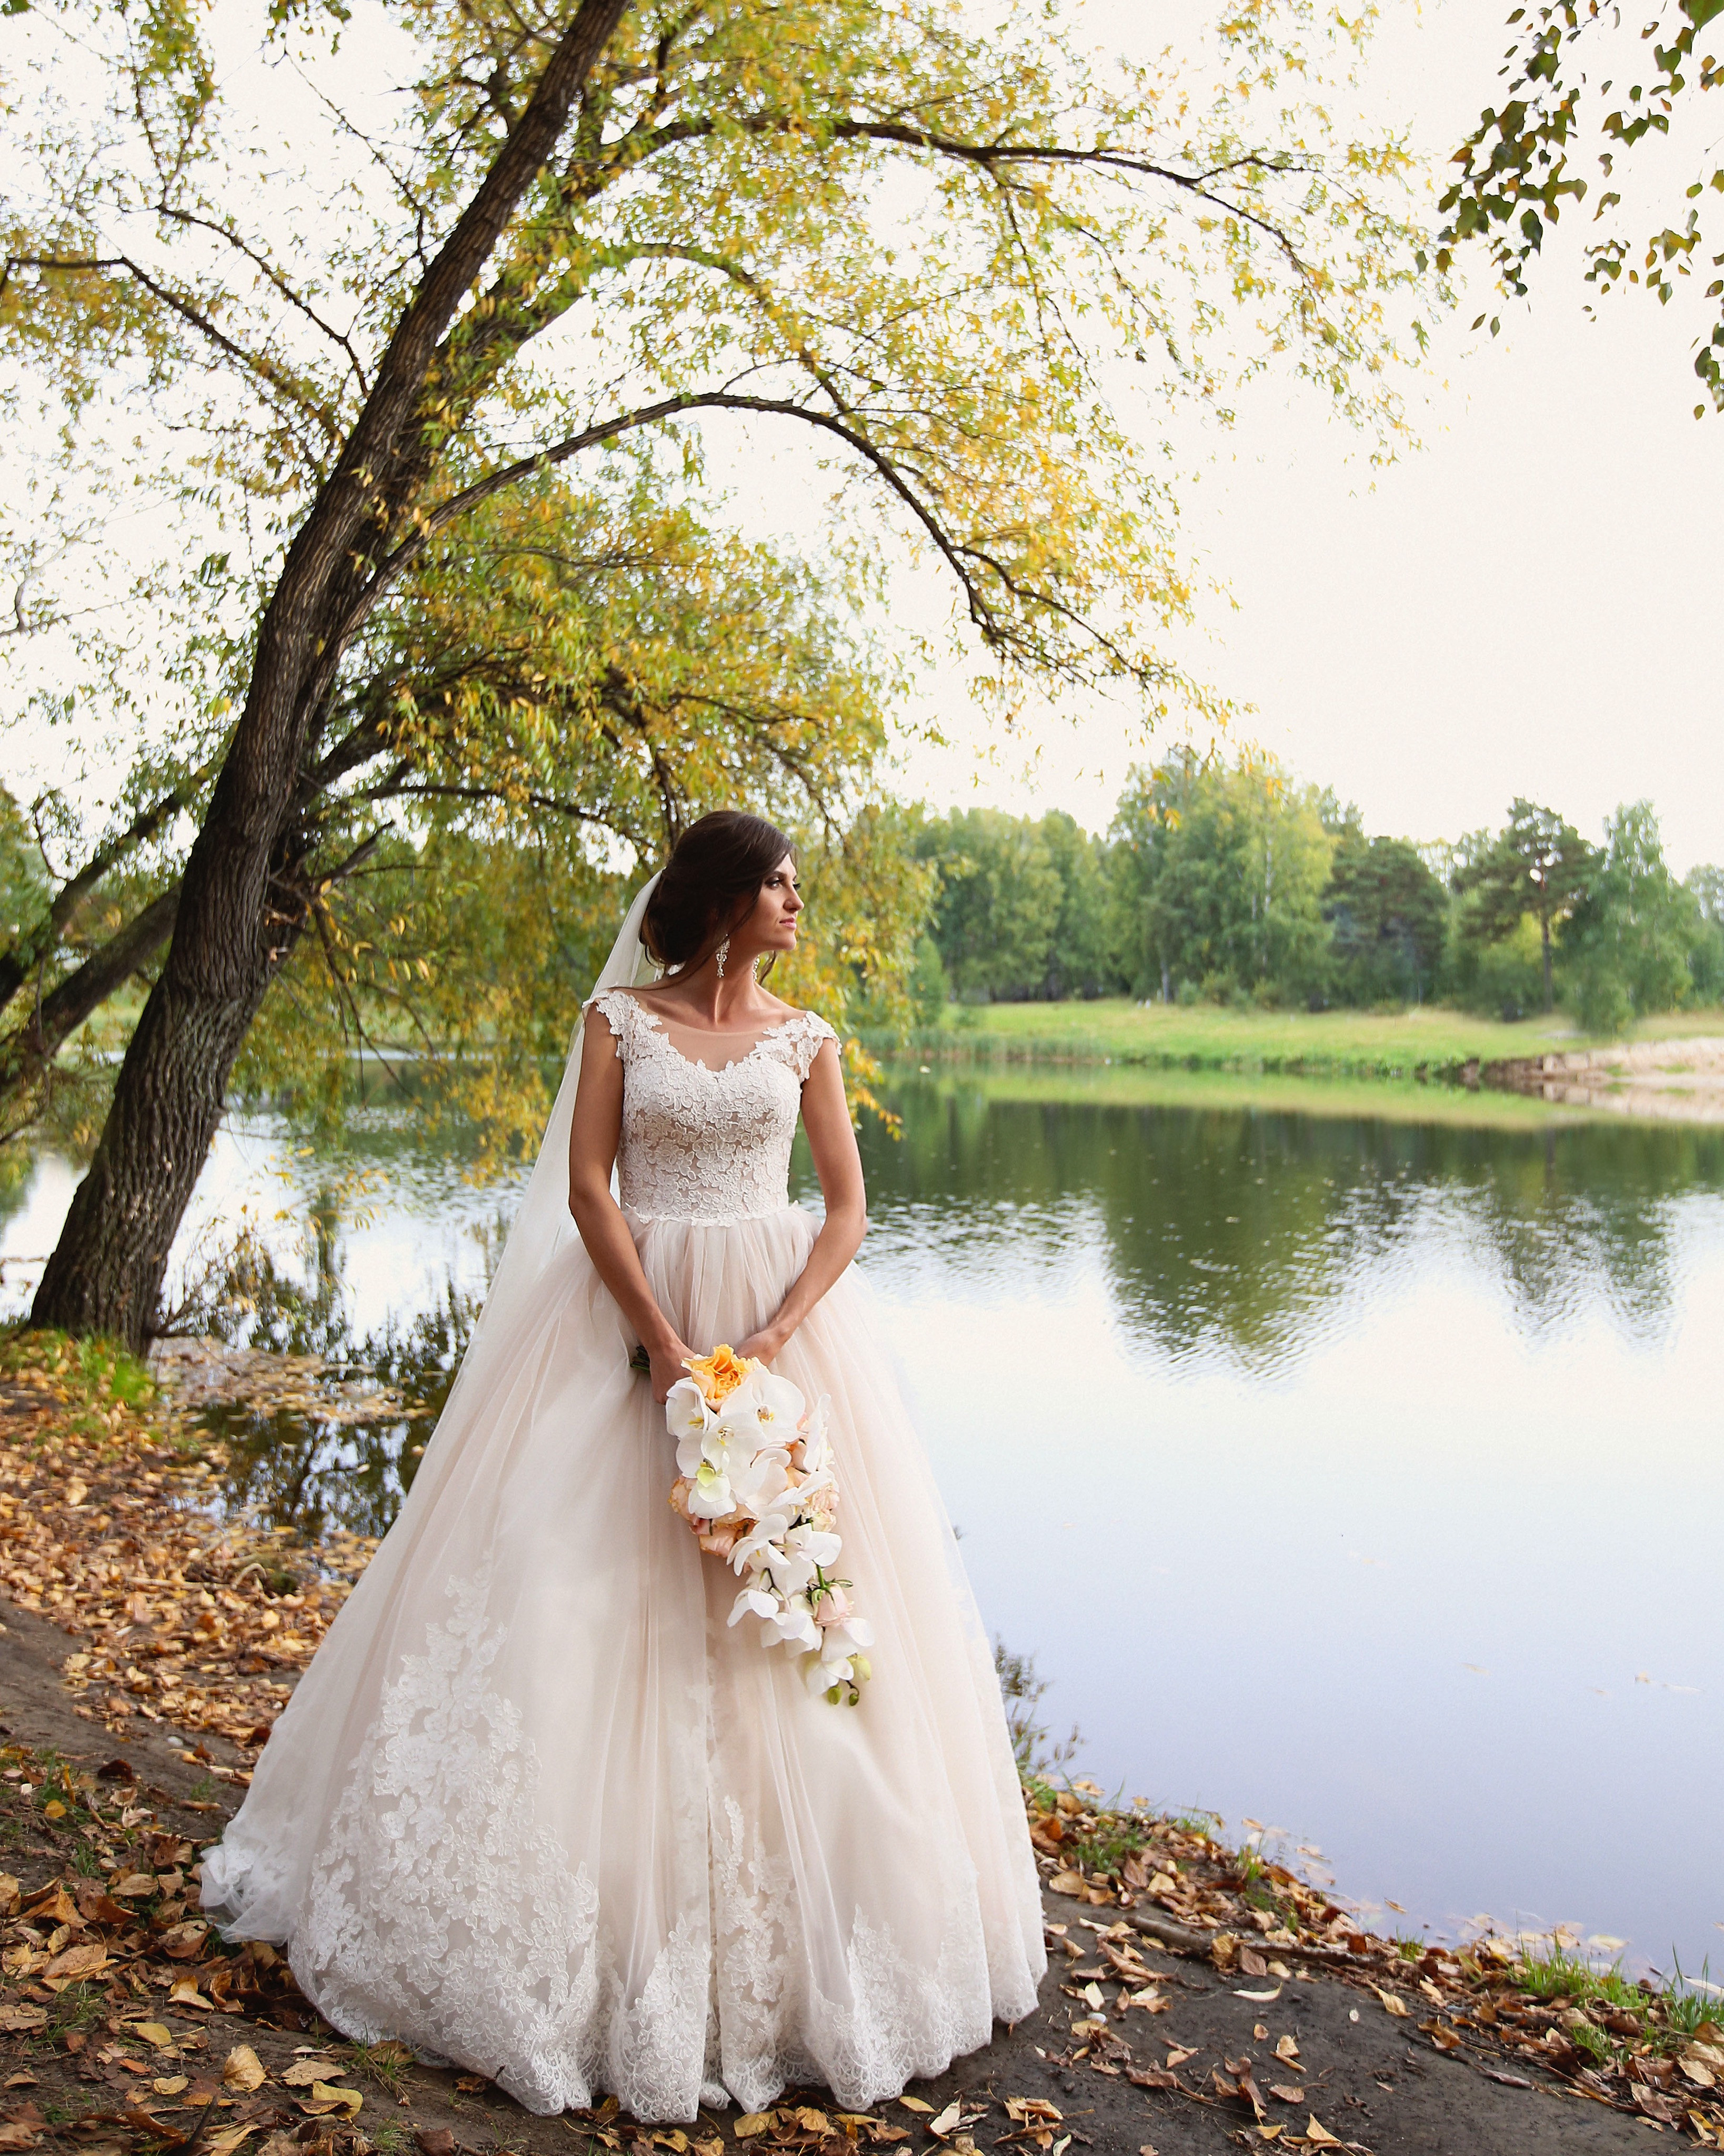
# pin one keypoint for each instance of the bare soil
(1369, 2080)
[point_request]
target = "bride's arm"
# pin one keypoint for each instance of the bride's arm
(826, 1117)
(593, 1149)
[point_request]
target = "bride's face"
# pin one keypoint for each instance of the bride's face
(772, 925)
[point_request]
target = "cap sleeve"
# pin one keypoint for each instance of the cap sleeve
(623, 1015)
(802, 1039)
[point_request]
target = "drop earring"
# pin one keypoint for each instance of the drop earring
(722, 953)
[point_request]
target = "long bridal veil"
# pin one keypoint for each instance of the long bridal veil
(257, 1873)
(542, 1220)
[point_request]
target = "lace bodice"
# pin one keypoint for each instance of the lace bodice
(706, 1143)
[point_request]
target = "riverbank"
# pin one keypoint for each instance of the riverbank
(1428, 1041)
(1202, 1995)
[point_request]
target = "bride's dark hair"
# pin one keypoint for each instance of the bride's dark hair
(709, 883)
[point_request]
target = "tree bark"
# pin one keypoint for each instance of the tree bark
(244, 897)
(30, 1051)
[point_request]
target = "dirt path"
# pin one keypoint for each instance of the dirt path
(1369, 2080)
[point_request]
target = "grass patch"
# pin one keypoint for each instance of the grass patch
(1557, 1972)
(1429, 1038)
(79, 2006)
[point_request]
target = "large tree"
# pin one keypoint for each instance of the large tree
(1220, 866)
(1627, 950)
(921, 246)
(1518, 165)
(1536, 865)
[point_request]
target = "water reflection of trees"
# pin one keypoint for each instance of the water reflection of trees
(1248, 1231)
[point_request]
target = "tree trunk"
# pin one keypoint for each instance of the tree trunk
(243, 899)
(27, 1055)
(1550, 993)
(106, 1270)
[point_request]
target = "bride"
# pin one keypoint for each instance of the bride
(535, 1807)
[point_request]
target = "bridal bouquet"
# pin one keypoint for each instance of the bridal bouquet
(756, 1487)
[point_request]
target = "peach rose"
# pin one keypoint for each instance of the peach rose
(718, 1373)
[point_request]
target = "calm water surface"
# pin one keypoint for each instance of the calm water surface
(1362, 1479)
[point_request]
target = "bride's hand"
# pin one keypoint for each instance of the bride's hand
(668, 1366)
(765, 1345)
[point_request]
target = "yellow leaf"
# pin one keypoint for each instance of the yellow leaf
(225, 2142)
(1396, 2006)
(916, 2103)
(169, 2085)
(751, 2123)
(325, 2098)
(303, 2073)
(242, 2070)
(1319, 2136)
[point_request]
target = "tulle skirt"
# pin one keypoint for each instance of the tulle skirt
(537, 1808)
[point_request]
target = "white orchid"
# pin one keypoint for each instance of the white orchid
(791, 1624)
(814, 1454)
(687, 1413)
(711, 1495)
(755, 1602)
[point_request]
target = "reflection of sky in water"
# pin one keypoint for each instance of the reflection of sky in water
(1345, 1476)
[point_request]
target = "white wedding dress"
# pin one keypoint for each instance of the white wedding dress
(535, 1807)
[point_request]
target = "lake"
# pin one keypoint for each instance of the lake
(1355, 1473)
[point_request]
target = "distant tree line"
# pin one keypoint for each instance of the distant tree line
(1224, 880)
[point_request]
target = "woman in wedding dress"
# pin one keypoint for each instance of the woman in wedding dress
(537, 1807)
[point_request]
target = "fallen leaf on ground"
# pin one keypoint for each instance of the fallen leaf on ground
(326, 2097)
(1287, 2050)
(21, 2020)
(916, 2103)
(438, 2140)
(242, 2070)
(1178, 2053)
(1319, 2135)
(226, 2142)
(303, 2071)
(946, 2120)
(1262, 1998)
(757, 2122)
(169, 2085)
(154, 2033)
(1392, 2002)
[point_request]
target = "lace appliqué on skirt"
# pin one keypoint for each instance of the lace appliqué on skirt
(440, 1900)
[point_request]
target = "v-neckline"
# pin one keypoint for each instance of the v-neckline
(694, 1062)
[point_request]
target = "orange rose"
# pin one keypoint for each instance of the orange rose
(718, 1373)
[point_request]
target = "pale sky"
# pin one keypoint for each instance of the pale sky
(1529, 604)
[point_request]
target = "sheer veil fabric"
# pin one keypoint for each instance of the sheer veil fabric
(535, 1807)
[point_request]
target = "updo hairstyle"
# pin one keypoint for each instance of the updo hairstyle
(709, 885)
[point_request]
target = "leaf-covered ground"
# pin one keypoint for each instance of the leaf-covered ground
(1199, 1998)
